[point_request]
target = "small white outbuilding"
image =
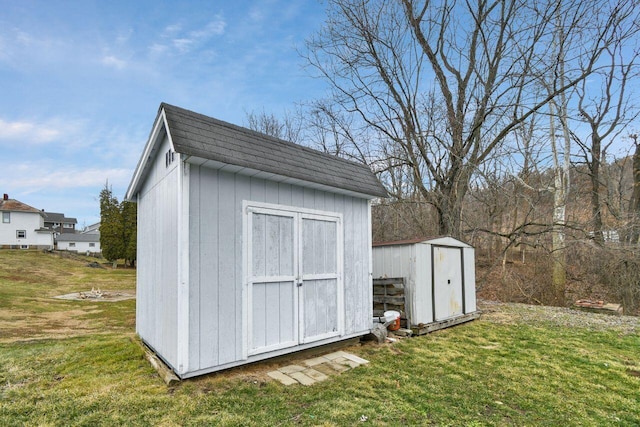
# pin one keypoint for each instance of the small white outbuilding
(78, 242)
(439, 278)
(249, 247)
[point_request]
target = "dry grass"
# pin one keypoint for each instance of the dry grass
(506, 369)
(29, 281)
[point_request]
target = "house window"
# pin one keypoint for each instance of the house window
(72, 245)
(24, 246)
(6, 217)
(21, 234)
(68, 225)
(92, 245)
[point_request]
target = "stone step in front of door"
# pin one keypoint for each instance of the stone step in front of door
(317, 369)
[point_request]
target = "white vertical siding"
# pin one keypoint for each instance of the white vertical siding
(400, 261)
(352, 295)
(227, 282)
(421, 291)
(216, 229)
(157, 270)
(469, 280)
(206, 255)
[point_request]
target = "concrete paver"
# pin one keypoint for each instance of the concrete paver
(316, 361)
(289, 369)
(316, 375)
(344, 361)
(317, 369)
(355, 358)
(302, 378)
(283, 378)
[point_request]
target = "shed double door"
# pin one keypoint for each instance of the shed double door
(293, 278)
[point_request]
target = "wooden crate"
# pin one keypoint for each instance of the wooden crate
(388, 294)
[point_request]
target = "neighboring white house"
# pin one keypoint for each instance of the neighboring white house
(249, 247)
(22, 226)
(59, 223)
(92, 229)
(439, 273)
(79, 242)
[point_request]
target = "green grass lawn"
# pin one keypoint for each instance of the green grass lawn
(480, 373)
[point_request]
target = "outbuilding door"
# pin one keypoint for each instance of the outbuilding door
(293, 277)
(447, 282)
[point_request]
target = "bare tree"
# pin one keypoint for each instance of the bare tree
(634, 204)
(604, 104)
(288, 128)
(447, 82)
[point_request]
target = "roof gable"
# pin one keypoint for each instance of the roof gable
(203, 137)
(13, 205)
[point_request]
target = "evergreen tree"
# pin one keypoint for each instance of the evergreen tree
(129, 213)
(111, 226)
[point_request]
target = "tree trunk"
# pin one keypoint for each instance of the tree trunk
(559, 270)
(558, 255)
(634, 203)
(448, 204)
(596, 212)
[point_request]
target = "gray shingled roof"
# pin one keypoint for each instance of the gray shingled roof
(59, 217)
(208, 138)
(78, 237)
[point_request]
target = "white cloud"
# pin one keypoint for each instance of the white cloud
(30, 132)
(172, 30)
(213, 28)
(158, 49)
(32, 177)
(183, 41)
(183, 44)
(112, 61)
(124, 37)
(256, 14)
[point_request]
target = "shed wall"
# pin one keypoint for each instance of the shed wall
(157, 272)
(423, 299)
(399, 261)
(216, 320)
(469, 279)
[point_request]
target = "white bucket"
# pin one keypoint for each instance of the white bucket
(391, 315)
(393, 320)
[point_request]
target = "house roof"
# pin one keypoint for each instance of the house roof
(204, 137)
(59, 217)
(78, 237)
(13, 205)
(93, 228)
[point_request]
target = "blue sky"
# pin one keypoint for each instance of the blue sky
(81, 82)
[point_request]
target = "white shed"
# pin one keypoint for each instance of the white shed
(78, 242)
(249, 247)
(439, 275)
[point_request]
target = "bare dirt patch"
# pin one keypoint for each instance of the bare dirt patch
(53, 324)
(515, 313)
(97, 296)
